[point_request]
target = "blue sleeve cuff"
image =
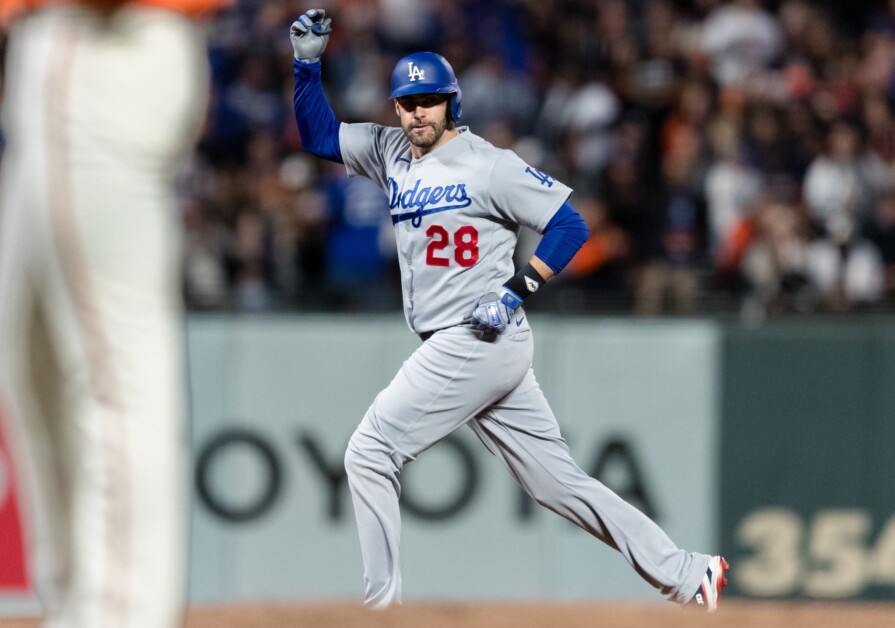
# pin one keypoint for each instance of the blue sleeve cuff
(564, 235)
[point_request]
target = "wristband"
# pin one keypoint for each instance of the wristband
(525, 283)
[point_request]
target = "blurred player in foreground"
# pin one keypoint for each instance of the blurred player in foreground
(457, 204)
(101, 98)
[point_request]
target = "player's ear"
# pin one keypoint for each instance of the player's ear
(397, 108)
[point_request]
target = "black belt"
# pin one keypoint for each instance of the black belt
(428, 334)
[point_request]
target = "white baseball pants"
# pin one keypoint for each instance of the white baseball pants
(92, 361)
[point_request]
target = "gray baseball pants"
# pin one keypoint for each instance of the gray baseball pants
(457, 378)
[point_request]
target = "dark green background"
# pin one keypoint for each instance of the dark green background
(808, 423)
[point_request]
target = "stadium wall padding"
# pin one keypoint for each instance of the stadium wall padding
(775, 445)
(275, 401)
(808, 470)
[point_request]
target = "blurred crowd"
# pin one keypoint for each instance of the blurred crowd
(732, 156)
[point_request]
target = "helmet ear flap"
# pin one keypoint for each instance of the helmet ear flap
(455, 106)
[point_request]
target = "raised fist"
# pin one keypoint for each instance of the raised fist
(310, 34)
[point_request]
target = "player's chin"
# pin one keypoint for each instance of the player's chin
(422, 137)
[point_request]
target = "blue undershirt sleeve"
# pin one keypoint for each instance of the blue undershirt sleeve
(316, 121)
(563, 236)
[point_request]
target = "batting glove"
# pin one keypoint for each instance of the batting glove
(309, 35)
(492, 312)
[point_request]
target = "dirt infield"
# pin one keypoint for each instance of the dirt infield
(734, 614)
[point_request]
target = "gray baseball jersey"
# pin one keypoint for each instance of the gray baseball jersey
(457, 212)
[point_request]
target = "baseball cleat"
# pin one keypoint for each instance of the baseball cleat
(708, 595)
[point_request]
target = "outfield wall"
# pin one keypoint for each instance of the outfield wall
(774, 444)
(808, 478)
(274, 403)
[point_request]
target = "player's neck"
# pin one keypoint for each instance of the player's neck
(416, 152)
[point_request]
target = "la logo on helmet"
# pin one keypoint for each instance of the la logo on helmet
(414, 73)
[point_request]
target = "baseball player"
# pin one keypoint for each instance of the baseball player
(101, 97)
(457, 204)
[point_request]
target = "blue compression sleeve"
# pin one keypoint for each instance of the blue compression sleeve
(317, 123)
(564, 235)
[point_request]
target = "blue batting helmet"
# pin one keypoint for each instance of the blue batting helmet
(427, 73)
